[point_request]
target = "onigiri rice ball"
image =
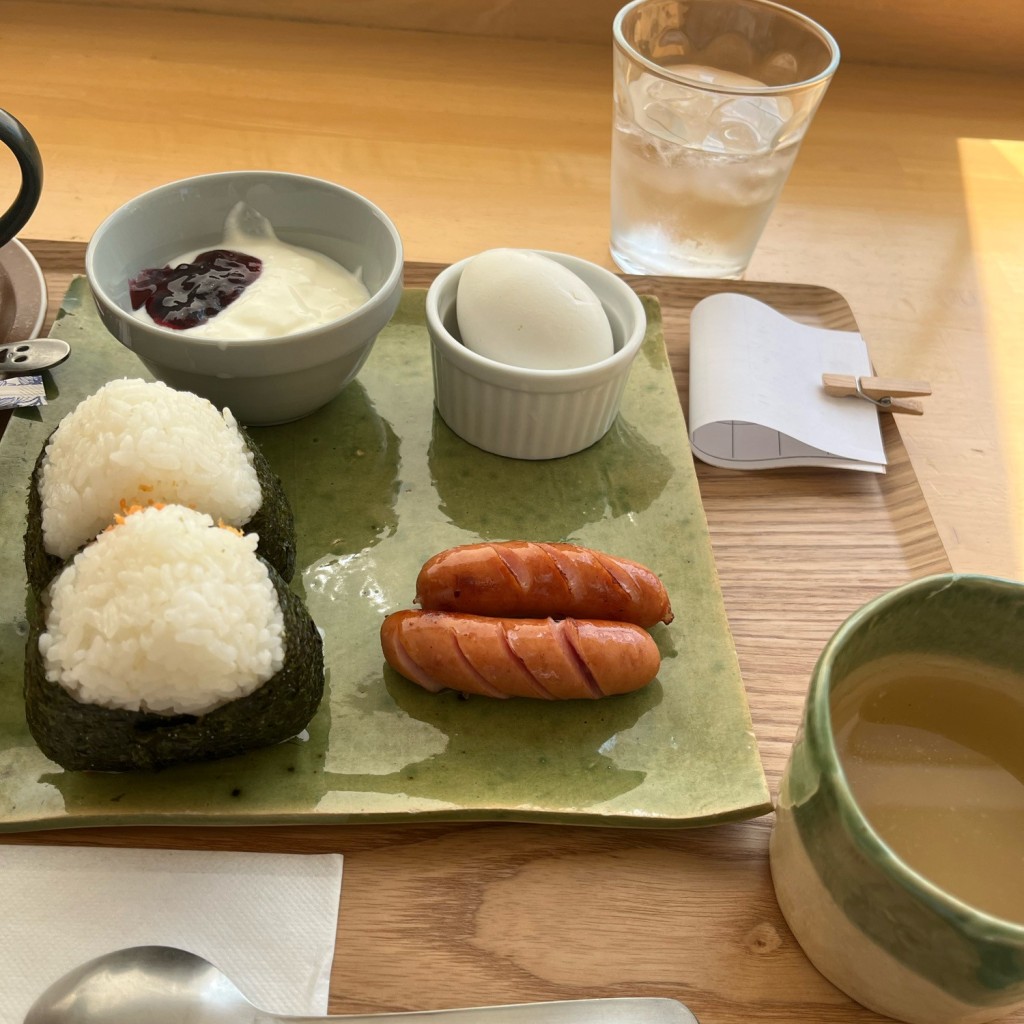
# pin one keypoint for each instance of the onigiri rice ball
(167, 613)
(138, 443)
(168, 639)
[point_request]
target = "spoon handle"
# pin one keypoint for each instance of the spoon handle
(624, 1010)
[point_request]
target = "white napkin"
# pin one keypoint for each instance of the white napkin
(269, 921)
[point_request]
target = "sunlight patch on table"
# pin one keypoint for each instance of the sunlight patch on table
(992, 171)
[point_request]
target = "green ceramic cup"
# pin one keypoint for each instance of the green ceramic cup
(875, 928)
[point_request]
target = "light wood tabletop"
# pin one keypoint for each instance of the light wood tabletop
(907, 197)
(906, 203)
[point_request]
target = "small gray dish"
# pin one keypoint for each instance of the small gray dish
(263, 381)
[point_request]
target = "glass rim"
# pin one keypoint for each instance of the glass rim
(822, 33)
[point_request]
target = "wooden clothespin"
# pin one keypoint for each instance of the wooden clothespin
(888, 394)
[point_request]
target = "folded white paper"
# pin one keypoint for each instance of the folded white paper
(269, 921)
(756, 397)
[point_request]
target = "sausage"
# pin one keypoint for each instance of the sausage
(549, 659)
(528, 580)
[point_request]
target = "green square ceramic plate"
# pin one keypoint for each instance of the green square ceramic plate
(378, 484)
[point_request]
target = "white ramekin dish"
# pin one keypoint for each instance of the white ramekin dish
(532, 414)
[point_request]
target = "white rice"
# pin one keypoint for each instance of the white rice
(166, 613)
(142, 443)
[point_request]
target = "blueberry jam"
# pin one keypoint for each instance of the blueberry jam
(192, 293)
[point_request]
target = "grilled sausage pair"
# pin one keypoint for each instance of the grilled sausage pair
(519, 619)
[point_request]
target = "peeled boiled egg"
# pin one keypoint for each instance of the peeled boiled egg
(521, 308)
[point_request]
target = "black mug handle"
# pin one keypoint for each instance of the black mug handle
(17, 139)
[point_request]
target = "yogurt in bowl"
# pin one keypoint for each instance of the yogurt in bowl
(252, 285)
(286, 370)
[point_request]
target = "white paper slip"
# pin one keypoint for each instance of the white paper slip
(756, 397)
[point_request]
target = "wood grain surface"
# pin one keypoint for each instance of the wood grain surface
(448, 915)
(907, 197)
(913, 33)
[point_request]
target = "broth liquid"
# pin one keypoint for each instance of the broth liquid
(933, 750)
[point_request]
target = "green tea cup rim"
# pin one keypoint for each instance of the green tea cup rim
(821, 744)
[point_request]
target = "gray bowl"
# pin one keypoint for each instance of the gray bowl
(262, 381)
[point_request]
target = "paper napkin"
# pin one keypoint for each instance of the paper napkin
(269, 921)
(756, 395)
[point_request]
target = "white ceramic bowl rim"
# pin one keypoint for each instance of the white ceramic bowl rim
(819, 734)
(519, 377)
(378, 299)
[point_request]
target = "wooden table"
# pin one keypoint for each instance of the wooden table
(907, 199)
(443, 915)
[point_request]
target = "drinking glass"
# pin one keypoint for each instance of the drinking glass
(712, 100)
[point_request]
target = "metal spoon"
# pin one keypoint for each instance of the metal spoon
(23, 357)
(162, 985)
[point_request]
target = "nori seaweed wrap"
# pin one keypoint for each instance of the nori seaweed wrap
(83, 735)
